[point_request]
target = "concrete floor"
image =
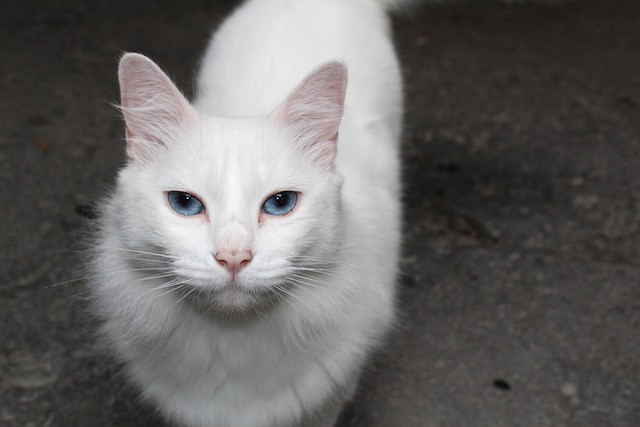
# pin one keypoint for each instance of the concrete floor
(520, 296)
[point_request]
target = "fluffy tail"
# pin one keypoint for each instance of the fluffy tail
(396, 5)
(393, 5)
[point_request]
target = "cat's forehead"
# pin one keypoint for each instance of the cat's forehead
(232, 134)
(229, 155)
(244, 146)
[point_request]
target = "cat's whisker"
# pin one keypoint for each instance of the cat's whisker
(282, 296)
(172, 287)
(318, 279)
(169, 284)
(303, 281)
(79, 295)
(304, 285)
(157, 261)
(294, 296)
(91, 276)
(313, 261)
(209, 308)
(300, 285)
(322, 277)
(312, 269)
(316, 257)
(278, 297)
(154, 277)
(165, 258)
(180, 300)
(66, 282)
(173, 284)
(316, 282)
(167, 290)
(155, 254)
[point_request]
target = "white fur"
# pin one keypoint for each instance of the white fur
(283, 346)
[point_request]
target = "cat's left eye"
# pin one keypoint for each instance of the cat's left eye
(184, 203)
(281, 203)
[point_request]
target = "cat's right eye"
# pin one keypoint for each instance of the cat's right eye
(281, 203)
(184, 203)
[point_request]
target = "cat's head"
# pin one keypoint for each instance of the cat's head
(239, 209)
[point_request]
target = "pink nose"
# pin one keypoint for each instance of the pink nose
(233, 260)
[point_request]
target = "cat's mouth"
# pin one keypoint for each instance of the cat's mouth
(232, 297)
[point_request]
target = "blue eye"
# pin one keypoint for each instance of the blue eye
(281, 203)
(184, 203)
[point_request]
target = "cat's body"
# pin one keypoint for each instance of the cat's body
(228, 312)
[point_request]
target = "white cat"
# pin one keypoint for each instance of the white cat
(246, 260)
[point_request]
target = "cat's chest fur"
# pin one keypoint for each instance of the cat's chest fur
(248, 373)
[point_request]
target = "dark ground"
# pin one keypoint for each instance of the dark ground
(521, 291)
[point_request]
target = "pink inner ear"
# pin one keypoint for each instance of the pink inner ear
(153, 107)
(313, 111)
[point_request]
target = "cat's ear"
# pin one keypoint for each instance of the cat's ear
(153, 108)
(313, 111)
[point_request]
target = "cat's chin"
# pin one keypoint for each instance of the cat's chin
(231, 298)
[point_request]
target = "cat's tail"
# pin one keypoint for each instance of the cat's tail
(398, 5)
(395, 5)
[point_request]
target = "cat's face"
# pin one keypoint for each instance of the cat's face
(240, 209)
(233, 188)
